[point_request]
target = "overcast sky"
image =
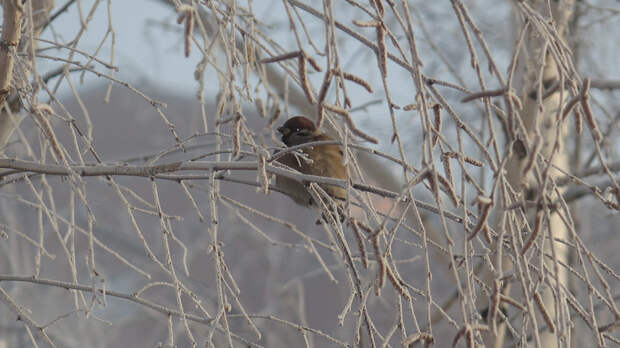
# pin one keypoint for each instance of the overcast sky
(144, 48)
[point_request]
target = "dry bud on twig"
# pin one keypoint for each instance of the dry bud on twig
(449, 187)
(437, 112)
(484, 94)
(366, 24)
(264, 178)
(274, 117)
(570, 105)
(312, 62)
(42, 112)
(322, 94)
(303, 77)
(544, 312)
(281, 57)
(347, 117)
(360, 241)
(382, 54)
(260, 107)
(355, 79)
(585, 104)
(381, 260)
(484, 206)
(396, 283)
(325, 86)
(237, 136)
(379, 6)
(537, 227)
(533, 154)
(187, 14)
(445, 160)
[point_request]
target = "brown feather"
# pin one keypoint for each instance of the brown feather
(326, 160)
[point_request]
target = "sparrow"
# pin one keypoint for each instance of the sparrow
(320, 160)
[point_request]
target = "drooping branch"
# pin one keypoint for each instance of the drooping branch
(99, 291)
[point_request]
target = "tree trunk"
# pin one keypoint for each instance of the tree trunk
(545, 65)
(10, 45)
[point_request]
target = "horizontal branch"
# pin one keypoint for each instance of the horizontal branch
(606, 84)
(600, 170)
(162, 171)
(120, 170)
(484, 94)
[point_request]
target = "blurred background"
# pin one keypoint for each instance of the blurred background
(133, 255)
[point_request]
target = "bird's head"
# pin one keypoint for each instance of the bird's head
(297, 130)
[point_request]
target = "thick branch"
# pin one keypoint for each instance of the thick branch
(159, 171)
(11, 33)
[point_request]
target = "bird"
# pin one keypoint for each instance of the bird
(320, 160)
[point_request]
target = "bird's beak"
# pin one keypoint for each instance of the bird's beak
(284, 130)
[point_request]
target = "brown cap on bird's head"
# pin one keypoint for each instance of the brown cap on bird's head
(295, 124)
